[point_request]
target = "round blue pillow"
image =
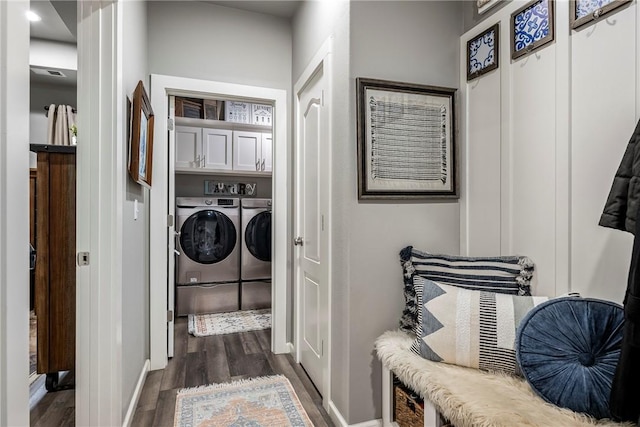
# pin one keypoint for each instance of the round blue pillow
(568, 349)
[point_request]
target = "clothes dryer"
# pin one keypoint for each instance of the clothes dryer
(208, 259)
(255, 269)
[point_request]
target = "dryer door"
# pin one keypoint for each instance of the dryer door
(257, 236)
(208, 237)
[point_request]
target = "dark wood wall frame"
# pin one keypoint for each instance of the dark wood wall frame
(369, 194)
(141, 146)
(576, 23)
(537, 45)
(496, 29)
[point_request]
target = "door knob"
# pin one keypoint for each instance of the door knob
(298, 241)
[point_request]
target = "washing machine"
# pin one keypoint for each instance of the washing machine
(208, 255)
(255, 268)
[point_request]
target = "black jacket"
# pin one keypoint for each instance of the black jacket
(621, 212)
(621, 208)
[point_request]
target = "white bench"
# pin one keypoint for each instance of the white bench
(467, 397)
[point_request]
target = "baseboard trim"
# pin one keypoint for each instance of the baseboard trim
(339, 420)
(290, 348)
(128, 418)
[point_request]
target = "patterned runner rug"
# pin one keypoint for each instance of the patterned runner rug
(263, 401)
(202, 325)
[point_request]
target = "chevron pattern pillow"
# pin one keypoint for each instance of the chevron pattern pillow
(503, 274)
(470, 328)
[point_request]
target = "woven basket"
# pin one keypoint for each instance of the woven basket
(409, 407)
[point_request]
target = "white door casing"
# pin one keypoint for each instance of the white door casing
(172, 136)
(161, 206)
(312, 221)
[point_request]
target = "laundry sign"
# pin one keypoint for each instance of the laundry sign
(227, 188)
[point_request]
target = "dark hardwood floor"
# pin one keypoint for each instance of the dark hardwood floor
(197, 361)
(220, 358)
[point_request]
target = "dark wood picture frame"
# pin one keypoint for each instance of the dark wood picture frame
(141, 146)
(536, 45)
(406, 141)
(496, 52)
(593, 15)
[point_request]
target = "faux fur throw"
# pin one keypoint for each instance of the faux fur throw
(472, 398)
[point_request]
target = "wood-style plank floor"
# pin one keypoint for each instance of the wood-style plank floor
(197, 361)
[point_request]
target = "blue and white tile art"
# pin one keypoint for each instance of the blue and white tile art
(531, 25)
(482, 51)
(587, 7)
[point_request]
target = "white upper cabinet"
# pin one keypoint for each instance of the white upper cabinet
(267, 146)
(188, 146)
(247, 155)
(216, 149)
(252, 151)
(203, 148)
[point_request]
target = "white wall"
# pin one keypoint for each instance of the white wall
(419, 44)
(543, 137)
(135, 253)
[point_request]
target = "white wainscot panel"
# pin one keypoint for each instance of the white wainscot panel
(531, 204)
(483, 165)
(603, 119)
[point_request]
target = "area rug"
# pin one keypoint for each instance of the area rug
(263, 401)
(202, 325)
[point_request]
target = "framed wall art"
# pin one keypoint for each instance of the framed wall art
(532, 27)
(406, 141)
(583, 12)
(141, 145)
(484, 5)
(482, 52)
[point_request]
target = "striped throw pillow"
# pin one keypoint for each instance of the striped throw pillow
(502, 274)
(470, 328)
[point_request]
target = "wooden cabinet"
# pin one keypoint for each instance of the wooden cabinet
(55, 274)
(252, 151)
(203, 148)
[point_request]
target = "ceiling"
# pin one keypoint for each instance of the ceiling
(59, 24)
(281, 8)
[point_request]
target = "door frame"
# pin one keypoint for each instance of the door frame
(14, 214)
(321, 59)
(163, 86)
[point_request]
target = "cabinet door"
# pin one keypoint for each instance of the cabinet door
(246, 150)
(188, 146)
(267, 149)
(216, 149)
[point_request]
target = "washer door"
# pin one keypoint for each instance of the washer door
(257, 236)
(208, 237)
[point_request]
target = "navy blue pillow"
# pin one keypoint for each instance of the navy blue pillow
(568, 349)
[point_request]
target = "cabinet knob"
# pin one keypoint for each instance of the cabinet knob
(262, 164)
(258, 165)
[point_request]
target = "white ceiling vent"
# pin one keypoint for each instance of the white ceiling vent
(46, 72)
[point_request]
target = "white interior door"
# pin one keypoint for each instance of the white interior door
(311, 241)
